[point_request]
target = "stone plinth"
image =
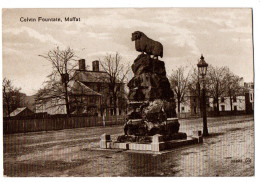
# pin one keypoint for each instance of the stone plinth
(158, 142)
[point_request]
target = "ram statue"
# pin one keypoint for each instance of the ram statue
(147, 45)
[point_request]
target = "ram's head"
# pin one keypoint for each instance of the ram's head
(136, 35)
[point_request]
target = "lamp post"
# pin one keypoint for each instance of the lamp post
(202, 69)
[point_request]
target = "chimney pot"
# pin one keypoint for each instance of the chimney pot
(82, 64)
(95, 65)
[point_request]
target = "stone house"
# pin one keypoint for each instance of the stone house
(89, 94)
(98, 81)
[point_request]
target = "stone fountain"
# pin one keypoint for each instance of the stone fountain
(151, 123)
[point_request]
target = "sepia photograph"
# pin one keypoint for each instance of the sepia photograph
(128, 92)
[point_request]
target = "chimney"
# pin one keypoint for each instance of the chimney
(82, 64)
(95, 65)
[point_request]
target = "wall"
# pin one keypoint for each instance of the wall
(52, 106)
(184, 107)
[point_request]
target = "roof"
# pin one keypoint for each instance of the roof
(80, 88)
(18, 111)
(74, 87)
(92, 76)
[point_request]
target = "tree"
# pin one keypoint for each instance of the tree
(62, 73)
(12, 98)
(233, 88)
(215, 84)
(115, 78)
(180, 85)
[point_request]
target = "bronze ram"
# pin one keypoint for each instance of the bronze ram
(147, 45)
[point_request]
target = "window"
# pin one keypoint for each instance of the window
(182, 108)
(251, 97)
(234, 99)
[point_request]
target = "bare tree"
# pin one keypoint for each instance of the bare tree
(115, 78)
(233, 88)
(216, 84)
(12, 98)
(63, 68)
(180, 85)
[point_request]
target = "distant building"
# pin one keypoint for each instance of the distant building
(249, 96)
(249, 85)
(191, 106)
(243, 102)
(21, 112)
(238, 103)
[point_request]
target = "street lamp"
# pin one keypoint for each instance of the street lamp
(202, 69)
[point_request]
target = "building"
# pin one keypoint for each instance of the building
(99, 81)
(238, 103)
(21, 112)
(191, 106)
(249, 96)
(85, 100)
(88, 94)
(50, 105)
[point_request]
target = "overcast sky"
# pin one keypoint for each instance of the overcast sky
(224, 36)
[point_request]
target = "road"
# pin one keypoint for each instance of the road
(228, 151)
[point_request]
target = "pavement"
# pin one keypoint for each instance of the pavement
(228, 151)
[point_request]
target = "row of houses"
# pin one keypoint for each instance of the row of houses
(243, 102)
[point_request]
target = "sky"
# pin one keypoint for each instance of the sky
(222, 35)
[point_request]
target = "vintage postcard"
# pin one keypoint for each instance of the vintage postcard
(130, 92)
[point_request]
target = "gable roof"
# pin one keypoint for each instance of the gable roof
(74, 87)
(18, 111)
(80, 88)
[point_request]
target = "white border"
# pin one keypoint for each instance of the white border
(255, 4)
